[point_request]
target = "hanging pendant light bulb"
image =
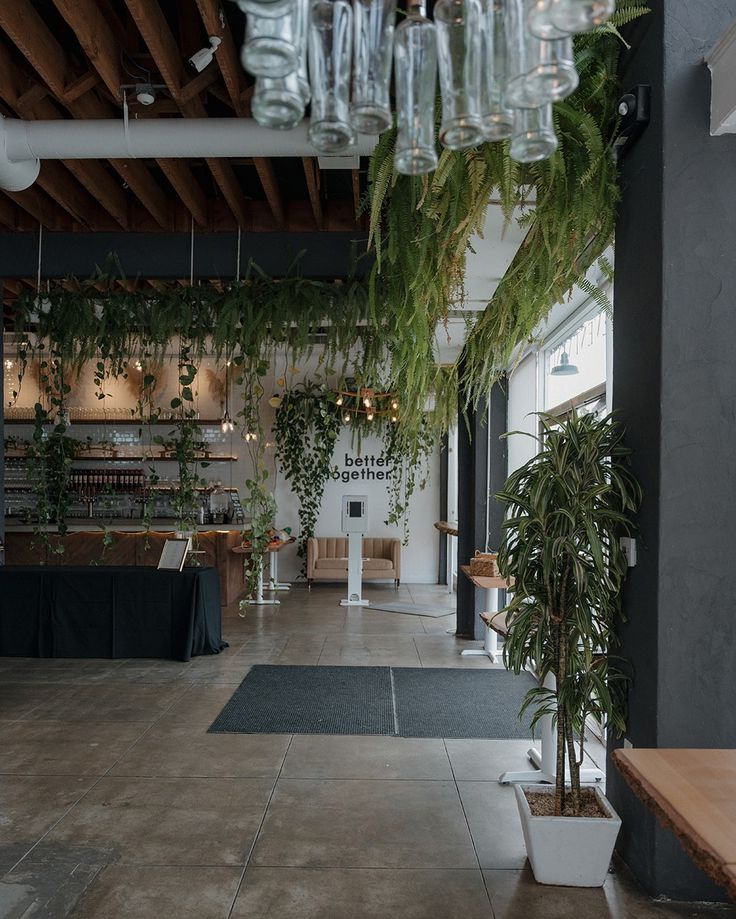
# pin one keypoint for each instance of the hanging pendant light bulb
(496, 117)
(369, 416)
(573, 16)
(415, 79)
(458, 54)
(346, 417)
(370, 110)
(339, 400)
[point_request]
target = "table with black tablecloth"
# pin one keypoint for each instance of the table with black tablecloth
(92, 611)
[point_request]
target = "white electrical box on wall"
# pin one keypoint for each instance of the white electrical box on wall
(354, 513)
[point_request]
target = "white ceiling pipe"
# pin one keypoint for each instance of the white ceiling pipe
(15, 176)
(22, 143)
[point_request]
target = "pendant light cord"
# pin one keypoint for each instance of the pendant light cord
(191, 256)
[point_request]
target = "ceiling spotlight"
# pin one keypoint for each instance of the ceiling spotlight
(145, 94)
(203, 57)
(564, 368)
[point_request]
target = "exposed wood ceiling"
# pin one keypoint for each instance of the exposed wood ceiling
(69, 58)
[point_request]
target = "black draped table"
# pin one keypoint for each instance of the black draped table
(91, 611)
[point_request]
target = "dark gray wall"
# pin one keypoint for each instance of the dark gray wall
(674, 382)
(167, 255)
(481, 471)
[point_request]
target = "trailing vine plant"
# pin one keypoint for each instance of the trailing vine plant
(306, 428)
(259, 504)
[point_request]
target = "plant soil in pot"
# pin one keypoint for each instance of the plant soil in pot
(567, 851)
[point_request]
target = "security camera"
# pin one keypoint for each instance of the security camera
(203, 57)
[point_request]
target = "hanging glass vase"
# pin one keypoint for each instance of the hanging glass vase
(523, 52)
(554, 76)
(458, 53)
(272, 8)
(270, 48)
(540, 23)
(370, 110)
(534, 135)
(496, 118)
(278, 103)
(415, 82)
(574, 16)
(330, 53)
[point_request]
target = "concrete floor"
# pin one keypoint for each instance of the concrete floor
(115, 802)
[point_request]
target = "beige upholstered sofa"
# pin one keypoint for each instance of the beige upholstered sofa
(327, 559)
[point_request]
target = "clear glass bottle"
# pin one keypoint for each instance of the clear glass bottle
(523, 54)
(278, 103)
(534, 136)
(373, 20)
(554, 76)
(330, 57)
(272, 8)
(496, 117)
(540, 23)
(574, 16)
(270, 48)
(458, 53)
(415, 84)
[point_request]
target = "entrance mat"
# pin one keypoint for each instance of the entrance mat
(310, 700)
(412, 609)
(391, 701)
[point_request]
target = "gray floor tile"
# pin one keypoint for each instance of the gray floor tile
(378, 824)
(18, 700)
(485, 760)
(159, 893)
(193, 821)
(56, 748)
(183, 750)
(200, 704)
(362, 893)
(493, 818)
(111, 702)
(317, 757)
(516, 895)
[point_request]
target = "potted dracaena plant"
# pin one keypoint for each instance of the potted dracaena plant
(566, 510)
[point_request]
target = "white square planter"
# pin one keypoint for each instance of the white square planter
(568, 851)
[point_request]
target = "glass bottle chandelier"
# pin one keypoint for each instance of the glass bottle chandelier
(501, 65)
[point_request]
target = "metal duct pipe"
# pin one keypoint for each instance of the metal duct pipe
(15, 176)
(23, 143)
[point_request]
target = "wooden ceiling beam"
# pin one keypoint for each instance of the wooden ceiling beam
(271, 188)
(81, 85)
(34, 39)
(187, 188)
(87, 21)
(7, 213)
(228, 60)
(162, 45)
(90, 174)
(160, 41)
(198, 85)
(35, 202)
(311, 174)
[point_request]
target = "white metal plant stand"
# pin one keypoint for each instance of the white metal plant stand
(544, 759)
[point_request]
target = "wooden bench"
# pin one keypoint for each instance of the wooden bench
(692, 793)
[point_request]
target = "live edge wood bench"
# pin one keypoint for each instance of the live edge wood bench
(692, 793)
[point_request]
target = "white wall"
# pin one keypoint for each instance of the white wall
(419, 559)
(522, 404)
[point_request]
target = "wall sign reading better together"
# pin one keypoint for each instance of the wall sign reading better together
(363, 469)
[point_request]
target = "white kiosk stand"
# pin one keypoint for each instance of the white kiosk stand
(355, 523)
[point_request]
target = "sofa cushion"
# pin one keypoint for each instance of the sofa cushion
(378, 564)
(335, 564)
